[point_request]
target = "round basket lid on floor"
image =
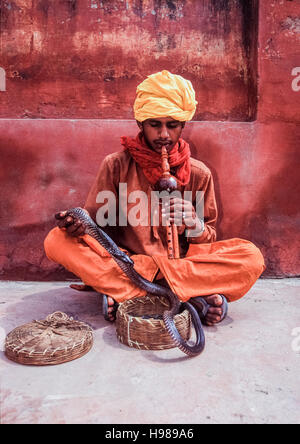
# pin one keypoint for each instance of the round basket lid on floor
(54, 340)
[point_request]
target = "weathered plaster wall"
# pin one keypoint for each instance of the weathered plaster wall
(84, 58)
(279, 55)
(49, 164)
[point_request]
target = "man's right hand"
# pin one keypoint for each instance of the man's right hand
(70, 224)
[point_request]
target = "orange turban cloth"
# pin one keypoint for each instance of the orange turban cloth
(165, 95)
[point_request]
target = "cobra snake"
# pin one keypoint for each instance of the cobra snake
(127, 266)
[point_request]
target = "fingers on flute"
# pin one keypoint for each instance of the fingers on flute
(178, 215)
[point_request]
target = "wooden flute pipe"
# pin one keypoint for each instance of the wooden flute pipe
(172, 241)
(168, 183)
(169, 232)
(176, 252)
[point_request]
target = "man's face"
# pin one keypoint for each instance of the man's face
(160, 132)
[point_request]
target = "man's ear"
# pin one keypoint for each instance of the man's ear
(140, 125)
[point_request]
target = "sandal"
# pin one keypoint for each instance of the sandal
(111, 317)
(202, 307)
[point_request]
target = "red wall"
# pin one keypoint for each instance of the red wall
(84, 58)
(49, 164)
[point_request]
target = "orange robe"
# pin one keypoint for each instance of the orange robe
(229, 267)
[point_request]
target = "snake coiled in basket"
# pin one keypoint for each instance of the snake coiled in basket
(127, 266)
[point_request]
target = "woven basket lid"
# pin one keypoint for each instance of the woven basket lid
(54, 340)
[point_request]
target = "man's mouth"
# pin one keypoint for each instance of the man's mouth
(161, 144)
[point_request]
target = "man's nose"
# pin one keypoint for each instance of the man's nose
(164, 133)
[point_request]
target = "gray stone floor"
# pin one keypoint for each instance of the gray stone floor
(248, 372)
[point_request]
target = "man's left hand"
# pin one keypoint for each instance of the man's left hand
(182, 213)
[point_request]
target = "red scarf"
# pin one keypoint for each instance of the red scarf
(150, 161)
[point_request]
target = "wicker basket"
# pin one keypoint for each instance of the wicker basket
(140, 325)
(54, 340)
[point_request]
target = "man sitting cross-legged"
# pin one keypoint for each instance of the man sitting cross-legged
(215, 272)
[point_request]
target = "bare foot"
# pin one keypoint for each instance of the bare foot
(111, 309)
(215, 312)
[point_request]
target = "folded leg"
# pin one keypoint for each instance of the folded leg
(88, 260)
(229, 267)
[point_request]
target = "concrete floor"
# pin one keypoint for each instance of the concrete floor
(248, 372)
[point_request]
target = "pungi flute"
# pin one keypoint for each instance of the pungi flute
(168, 183)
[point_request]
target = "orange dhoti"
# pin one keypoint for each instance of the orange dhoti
(228, 267)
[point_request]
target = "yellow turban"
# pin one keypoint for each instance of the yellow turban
(165, 95)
